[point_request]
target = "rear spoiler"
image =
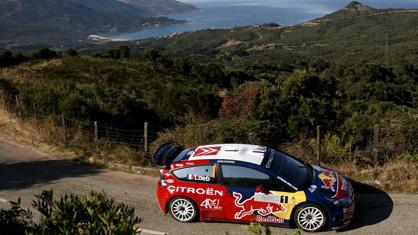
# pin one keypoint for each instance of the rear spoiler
(166, 153)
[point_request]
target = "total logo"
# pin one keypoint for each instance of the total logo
(212, 204)
(328, 179)
(252, 205)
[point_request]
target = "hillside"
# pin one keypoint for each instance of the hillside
(62, 23)
(266, 85)
(355, 34)
(160, 7)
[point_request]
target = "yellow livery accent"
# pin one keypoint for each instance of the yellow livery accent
(289, 201)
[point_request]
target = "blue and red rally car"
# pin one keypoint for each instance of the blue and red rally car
(242, 183)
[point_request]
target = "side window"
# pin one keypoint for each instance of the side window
(280, 186)
(204, 174)
(238, 176)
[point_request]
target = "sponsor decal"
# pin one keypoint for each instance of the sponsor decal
(328, 179)
(248, 207)
(198, 178)
(270, 161)
(260, 149)
(201, 191)
(212, 204)
(269, 219)
(207, 151)
(170, 181)
(273, 198)
(312, 188)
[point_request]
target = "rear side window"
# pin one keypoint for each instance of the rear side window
(204, 174)
(238, 176)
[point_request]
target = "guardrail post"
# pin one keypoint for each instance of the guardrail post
(376, 143)
(35, 110)
(146, 136)
(64, 128)
(96, 132)
(19, 106)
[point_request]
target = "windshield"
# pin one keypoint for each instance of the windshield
(290, 169)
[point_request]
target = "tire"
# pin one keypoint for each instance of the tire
(183, 209)
(310, 218)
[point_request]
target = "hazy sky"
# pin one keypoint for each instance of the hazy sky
(317, 6)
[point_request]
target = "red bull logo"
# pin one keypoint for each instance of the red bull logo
(261, 203)
(328, 179)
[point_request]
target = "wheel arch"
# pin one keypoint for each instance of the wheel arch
(292, 222)
(167, 204)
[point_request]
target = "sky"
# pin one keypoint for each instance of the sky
(314, 6)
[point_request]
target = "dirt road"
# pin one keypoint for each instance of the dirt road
(25, 172)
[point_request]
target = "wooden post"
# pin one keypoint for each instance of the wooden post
(3, 102)
(376, 143)
(96, 132)
(36, 111)
(318, 143)
(64, 128)
(201, 134)
(18, 106)
(146, 136)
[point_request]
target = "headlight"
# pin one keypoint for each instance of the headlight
(345, 201)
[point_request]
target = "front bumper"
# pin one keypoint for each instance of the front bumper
(345, 218)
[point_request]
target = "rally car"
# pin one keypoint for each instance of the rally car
(243, 183)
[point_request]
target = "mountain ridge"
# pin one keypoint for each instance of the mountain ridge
(66, 22)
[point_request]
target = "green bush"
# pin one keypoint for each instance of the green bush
(15, 220)
(256, 228)
(92, 214)
(71, 214)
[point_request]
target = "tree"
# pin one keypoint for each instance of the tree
(125, 52)
(45, 54)
(70, 52)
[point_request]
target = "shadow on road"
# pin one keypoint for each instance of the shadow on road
(372, 206)
(26, 174)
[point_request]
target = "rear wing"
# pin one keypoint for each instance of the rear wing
(165, 154)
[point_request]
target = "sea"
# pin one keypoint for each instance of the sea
(222, 14)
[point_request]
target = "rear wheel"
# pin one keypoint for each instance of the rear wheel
(183, 209)
(310, 218)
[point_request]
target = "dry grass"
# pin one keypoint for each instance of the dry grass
(396, 176)
(47, 137)
(34, 134)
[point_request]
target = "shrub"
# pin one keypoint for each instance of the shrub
(92, 214)
(15, 220)
(71, 214)
(256, 228)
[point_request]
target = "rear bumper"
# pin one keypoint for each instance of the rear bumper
(161, 198)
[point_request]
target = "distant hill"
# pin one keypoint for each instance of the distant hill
(160, 7)
(354, 34)
(67, 21)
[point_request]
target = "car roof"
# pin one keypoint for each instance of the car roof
(236, 152)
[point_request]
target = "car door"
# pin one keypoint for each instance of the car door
(249, 195)
(199, 183)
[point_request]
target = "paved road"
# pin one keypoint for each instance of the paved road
(25, 172)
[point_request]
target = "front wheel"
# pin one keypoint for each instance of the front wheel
(310, 218)
(183, 209)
